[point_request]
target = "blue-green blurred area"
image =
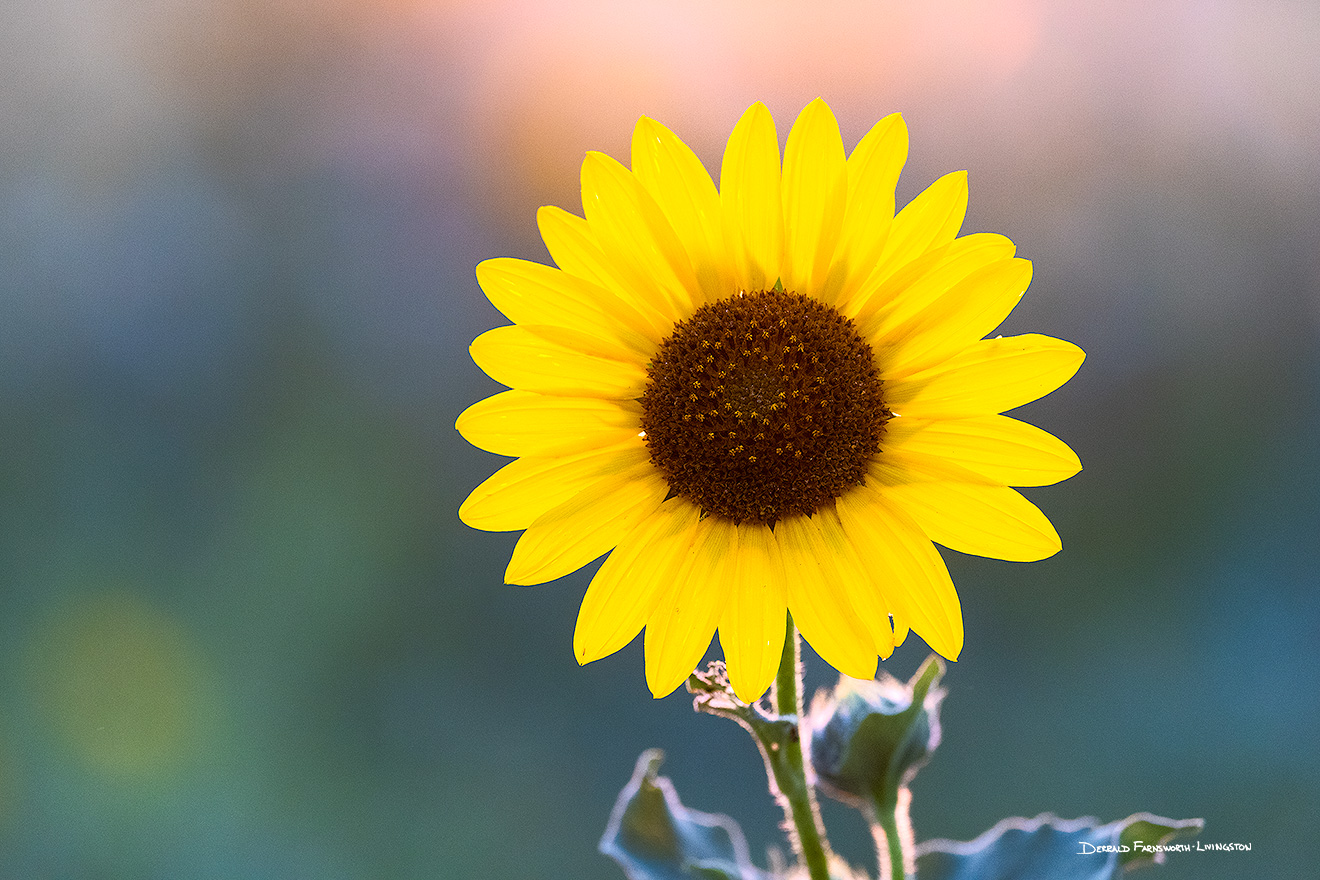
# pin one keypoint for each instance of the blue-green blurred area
(244, 633)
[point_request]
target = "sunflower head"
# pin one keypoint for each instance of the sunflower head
(764, 398)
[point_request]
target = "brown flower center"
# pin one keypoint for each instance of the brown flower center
(763, 406)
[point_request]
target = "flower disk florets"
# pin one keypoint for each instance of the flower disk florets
(763, 406)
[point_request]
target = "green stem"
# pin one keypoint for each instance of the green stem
(778, 736)
(787, 766)
(893, 837)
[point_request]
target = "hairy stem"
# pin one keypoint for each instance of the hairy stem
(894, 843)
(785, 761)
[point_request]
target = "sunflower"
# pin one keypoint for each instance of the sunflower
(764, 398)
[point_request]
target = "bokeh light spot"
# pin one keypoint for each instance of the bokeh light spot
(121, 686)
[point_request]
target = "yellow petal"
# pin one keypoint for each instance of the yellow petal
(524, 359)
(900, 628)
(515, 495)
(879, 309)
(583, 343)
(531, 293)
(634, 234)
(684, 192)
(957, 509)
(997, 447)
(586, 526)
(872, 171)
(750, 200)
(575, 249)
(967, 311)
(571, 245)
(929, 221)
(521, 423)
(819, 603)
(814, 193)
(866, 595)
(631, 581)
(683, 622)
(752, 628)
(899, 554)
(990, 376)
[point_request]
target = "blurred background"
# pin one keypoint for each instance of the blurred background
(242, 631)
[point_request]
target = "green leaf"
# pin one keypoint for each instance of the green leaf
(869, 738)
(1050, 848)
(654, 837)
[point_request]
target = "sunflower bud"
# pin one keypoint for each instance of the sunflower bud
(869, 738)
